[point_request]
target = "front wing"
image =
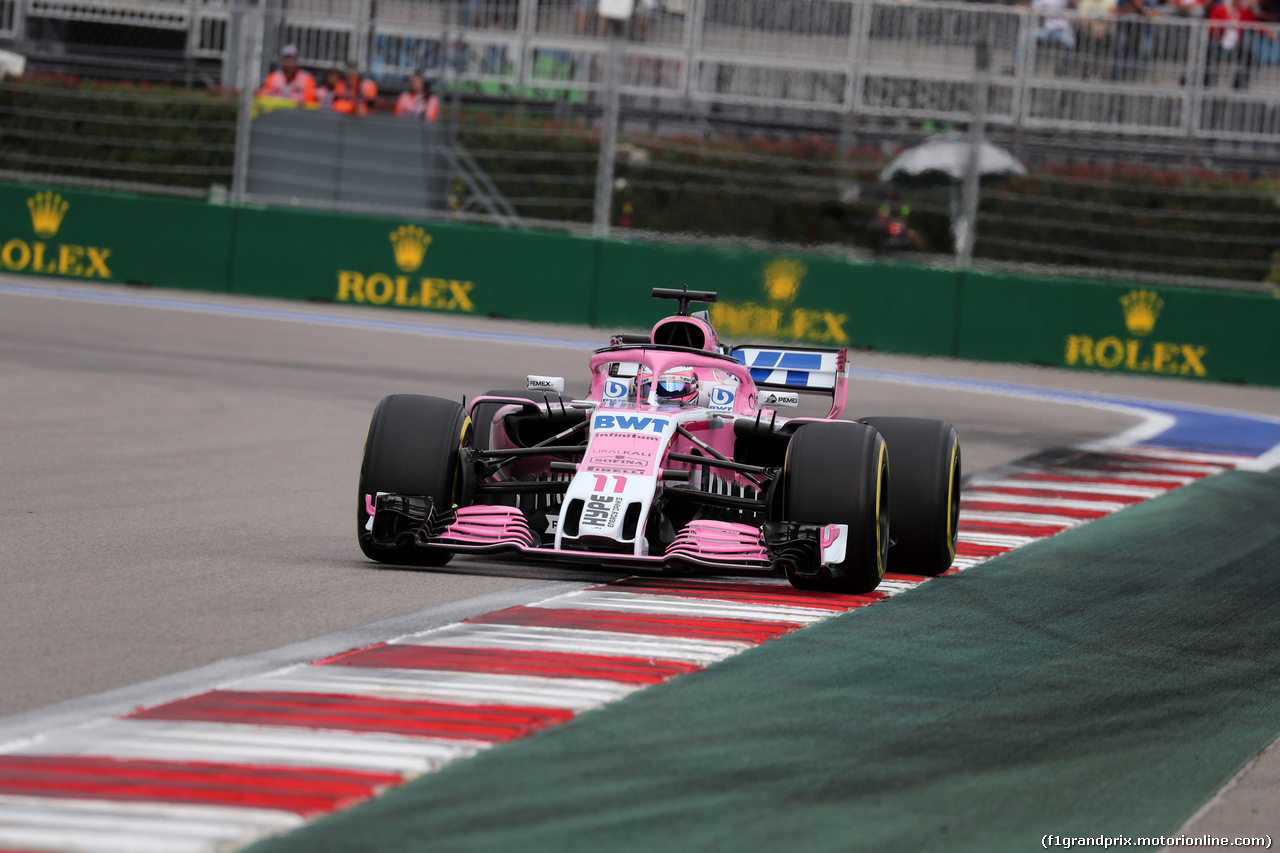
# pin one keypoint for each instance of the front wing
(811, 550)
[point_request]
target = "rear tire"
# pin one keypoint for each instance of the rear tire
(926, 491)
(412, 449)
(838, 473)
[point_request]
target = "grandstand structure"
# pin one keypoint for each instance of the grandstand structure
(829, 60)
(696, 79)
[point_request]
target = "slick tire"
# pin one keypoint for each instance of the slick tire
(838, 473)
(926, 492)
(412, 449)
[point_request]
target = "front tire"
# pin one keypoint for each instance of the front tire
(838, 473)
(926, 491)
(412, 449)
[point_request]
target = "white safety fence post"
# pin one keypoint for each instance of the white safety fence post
(966, 229)
(248, 51)
(608, 133)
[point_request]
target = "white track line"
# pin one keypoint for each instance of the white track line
(163, 740)
(1098, 488)
(575, 694)
(979, 496)
(583, 642)
(102, 826)
(1090, 475)
(704, 608)
(889, 587)
(1005, 540)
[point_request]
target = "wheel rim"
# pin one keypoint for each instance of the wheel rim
(953, 502)
(882, 510)
(467, 431)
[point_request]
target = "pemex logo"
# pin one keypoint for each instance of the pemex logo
(1141, 309)
(47, 209)
(782, 279)
(409, 242)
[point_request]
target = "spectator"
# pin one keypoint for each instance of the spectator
(890, 231)
(1133, 38)
(1055, 29)
(333, 89)
(646, 11)
(359, 95)
(418, 102)
(290, 81)
(495, 55)
(1093, 31)
(1231, 41)
(1185, 8)
(1177, 40)
(471, 13)
(458, 55)
(583, 18)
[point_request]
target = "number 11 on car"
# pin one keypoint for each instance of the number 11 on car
(619, 483)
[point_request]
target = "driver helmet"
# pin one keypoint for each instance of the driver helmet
(677, 386)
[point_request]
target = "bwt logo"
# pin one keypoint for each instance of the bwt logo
(629, 423)
(615, 390)
(721, 398)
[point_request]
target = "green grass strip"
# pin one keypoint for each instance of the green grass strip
(1107, 681)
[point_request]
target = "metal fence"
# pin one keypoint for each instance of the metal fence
(123, 137)
(1165, 76)
(738, 119)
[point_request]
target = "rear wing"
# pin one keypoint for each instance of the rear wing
(801, 369)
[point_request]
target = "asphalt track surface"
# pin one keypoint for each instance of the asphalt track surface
(179, 483)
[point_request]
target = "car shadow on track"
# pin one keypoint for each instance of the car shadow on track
(507, 569)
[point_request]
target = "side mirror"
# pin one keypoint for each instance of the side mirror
(779, 399)
(545, 383)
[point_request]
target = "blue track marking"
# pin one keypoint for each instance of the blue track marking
(1184, 427)
(175, 303)
(1193, 428)
(1217, 432)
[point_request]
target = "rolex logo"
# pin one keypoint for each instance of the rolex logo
(1141, 308)
(410, 244)
(782, 279)
(47, 209)
(776, 318)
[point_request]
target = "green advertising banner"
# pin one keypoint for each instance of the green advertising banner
(95, 236)
(795, 297)
(394, 263)
(800, 297)
(1126, 328)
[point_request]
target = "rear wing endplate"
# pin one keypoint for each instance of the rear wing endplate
(802, 369)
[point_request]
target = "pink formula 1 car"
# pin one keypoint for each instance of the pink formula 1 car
(676, 460)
